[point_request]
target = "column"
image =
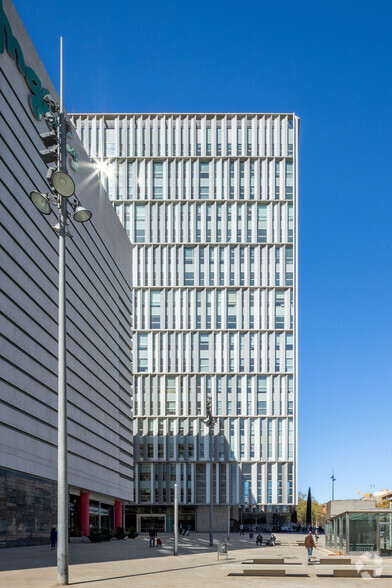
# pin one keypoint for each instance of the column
(84, 516)
(117, 515)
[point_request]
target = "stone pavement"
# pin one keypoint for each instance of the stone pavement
(132, 563)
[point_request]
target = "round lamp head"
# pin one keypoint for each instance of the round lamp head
(81, 214)
(63, 184)
(40, 201)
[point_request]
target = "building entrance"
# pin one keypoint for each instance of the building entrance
(144, 522)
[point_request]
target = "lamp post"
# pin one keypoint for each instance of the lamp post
(210, 422)
(333, 485)
(175, 519)
(63, 194)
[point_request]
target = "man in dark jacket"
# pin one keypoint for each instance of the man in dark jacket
(152, 532)
(309, 544)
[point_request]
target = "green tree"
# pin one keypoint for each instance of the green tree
(317, 510)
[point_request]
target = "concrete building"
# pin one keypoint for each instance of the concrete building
(99, 324)
(209, 202)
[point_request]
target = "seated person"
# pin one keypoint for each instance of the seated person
(272, 539)
(259, 539)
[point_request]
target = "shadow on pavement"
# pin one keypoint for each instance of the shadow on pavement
(41, 556)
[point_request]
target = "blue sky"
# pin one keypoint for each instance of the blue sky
(330, 63)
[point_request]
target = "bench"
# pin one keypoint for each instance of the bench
(265, 560)
(269, 570)
(335, 560)
(373, 570)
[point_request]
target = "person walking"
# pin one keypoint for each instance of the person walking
(309, 544)
(317, 535)
(53, 538)
(152, 533)
(241, 529)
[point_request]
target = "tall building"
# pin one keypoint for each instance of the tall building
(209, 202)
(99, 319)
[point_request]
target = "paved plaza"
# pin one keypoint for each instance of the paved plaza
(132, 563)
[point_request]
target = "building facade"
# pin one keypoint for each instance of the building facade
(209, 202)
(99, 324)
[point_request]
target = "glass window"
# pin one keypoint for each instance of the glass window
(261, 223)
(157, 181)
(289, 352)
(155, 310)
(142, 352)
(242, 180)
(289, 180)
(231, 352)
(212, 265)
(232, 179)
(110, 142)
(231, 309)
(127, 219)
(219, 223)
(188, 269)
(291, 439)
(204, 181)
(289, 275)
(204, 355)
(363, 531)
(261, 395)
(140, 223)
(279, 310)
(130, 179)
(201, 265)
(170, 396)
(218, 140)
(290, 139)
(229, 219)
(198, 223)
(290, 223)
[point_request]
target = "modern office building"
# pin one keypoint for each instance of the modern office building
(209, 202)
(99, 323)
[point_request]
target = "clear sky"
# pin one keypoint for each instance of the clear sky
(329, 62)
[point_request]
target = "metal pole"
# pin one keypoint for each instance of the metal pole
(228, 522)
(333, 484)
(211, 485)
(62, 482)
(175, 519)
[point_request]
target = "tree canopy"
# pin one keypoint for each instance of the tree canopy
(317, 510)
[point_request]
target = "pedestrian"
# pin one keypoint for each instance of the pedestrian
(180, 528)
(186, 532)
(241, 529)
(259, 539)
(309, 544)
(152, 533)
(53, 538)
(317, 535)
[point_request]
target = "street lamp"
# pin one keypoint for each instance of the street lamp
(63, 194)
(210, 422)
(333, 484)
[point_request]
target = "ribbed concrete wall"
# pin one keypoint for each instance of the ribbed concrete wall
(99, 307)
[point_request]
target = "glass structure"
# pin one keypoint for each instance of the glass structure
(361, 531)
(209, 203)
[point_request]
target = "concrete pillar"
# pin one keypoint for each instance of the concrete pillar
(117, 515)
(84, 515)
